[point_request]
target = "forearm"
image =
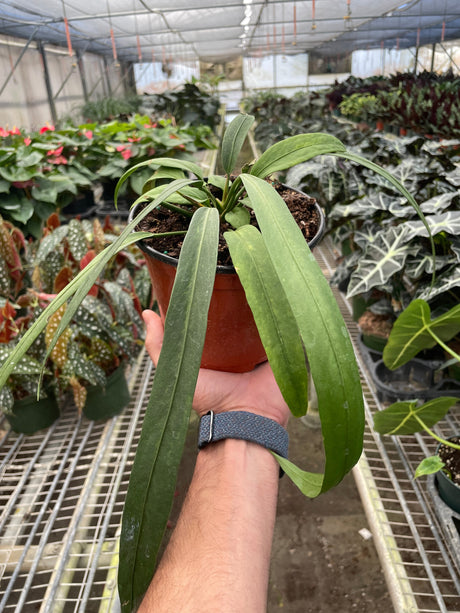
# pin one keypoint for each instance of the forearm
(218, 560)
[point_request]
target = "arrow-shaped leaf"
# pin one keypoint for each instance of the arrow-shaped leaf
(414, 330)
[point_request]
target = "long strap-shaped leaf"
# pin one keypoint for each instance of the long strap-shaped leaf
(153, 477)
(79, 287)
(273, 316)
(324, 334)
(294, 150)
(233, 140)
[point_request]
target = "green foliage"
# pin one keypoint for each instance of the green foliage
(292, 283)
(108, 109)
(46, 170)
(189, 105)
(414, 330)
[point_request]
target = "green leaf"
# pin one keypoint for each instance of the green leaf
(273, 316)
(233, 140)
(239, 216)
(429, 466)
(395, 183)
(168, 162)
(407, 417)
(153, 476)
(308, 483)
(82, 283)
(414, 330)
(382, 258)
(445, 222)
(76, 239)
(324, 334)
(295, 150)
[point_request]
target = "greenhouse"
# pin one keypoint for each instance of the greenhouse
(214, 218)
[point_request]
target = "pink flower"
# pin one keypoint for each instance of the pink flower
(134, 139)
(46, 128)
(59, 160)
(3, 133)
(55, 152)
(15, 131)
(27, 141)
(126, 152)
(88, 134)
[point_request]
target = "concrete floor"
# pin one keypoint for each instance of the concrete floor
(320, 561)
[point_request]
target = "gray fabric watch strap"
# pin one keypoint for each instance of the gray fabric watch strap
(244, 426)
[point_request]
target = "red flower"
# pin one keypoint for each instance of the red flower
(4, 133)
(47, 128)
(134, 139)
(88, 134)
(27, 141)
(15, 131)
(55, 152)
(126, 152)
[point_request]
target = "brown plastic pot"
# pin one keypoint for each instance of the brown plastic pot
(232, 340)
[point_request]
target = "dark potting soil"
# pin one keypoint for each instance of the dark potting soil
(451, 458)
(301, 206)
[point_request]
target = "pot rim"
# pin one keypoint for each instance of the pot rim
(163, 257)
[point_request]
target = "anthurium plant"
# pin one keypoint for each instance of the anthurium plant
(414, 331)
(296, 314)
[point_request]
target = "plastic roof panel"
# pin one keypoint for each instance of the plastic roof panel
(220, 30)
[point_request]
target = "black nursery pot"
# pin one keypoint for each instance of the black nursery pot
(31, 415)
(448, 490)
(108, 401)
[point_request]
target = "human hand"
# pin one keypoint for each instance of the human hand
(255, 391)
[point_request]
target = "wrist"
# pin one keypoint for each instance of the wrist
(244, 426)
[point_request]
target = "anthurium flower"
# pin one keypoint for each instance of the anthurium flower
(4, 133)
(88, 134)
(15, 131)
(55, 152)
(126, 152)
(46, 128)
(27, 141)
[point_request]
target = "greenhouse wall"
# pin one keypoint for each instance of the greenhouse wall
(24, 99)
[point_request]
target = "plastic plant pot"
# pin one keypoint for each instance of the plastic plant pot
(232, 341)
(105, 402)
(448, 490)
(31, 415)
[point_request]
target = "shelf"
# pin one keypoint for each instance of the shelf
(62, 493)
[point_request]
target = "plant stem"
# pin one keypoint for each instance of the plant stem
(444, 346)
(434, 435)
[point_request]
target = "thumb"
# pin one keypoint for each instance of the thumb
(154, 336)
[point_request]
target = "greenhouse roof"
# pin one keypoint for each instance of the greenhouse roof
(219, 31)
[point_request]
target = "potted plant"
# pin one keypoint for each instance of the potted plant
(292, 304)
(413, 332)
(105, 332)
